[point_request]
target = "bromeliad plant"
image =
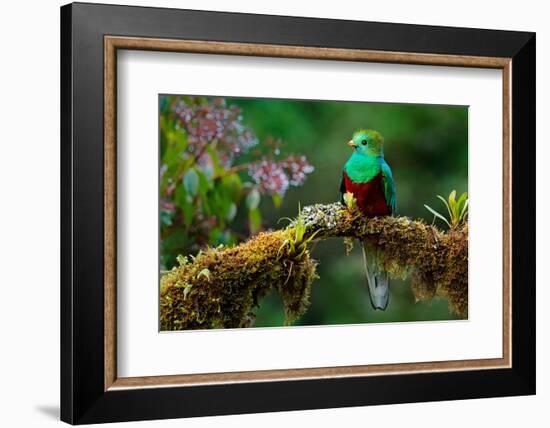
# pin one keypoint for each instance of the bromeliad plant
(298, 238)
(456, 208)
(212, 175)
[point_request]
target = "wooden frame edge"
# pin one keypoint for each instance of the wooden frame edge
(507, 213)
(299, 374)
(109, 197)
(301, 52)
(112, 43)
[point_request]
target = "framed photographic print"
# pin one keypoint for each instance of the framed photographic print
(266, 213)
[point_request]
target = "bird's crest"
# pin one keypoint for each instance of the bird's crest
(369, 133)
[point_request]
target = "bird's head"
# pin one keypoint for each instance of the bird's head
(367, 142)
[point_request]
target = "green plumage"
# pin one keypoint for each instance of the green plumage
(362, 168)
(367, 162)
(369, 178)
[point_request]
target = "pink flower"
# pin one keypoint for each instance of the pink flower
(212, 120)
(269, 176)
(273, 176)
(298, 167)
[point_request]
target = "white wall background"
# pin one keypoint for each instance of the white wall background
(29, 216)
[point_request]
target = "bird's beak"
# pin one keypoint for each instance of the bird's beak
(351, 143)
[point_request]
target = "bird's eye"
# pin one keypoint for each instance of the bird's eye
(364, 142)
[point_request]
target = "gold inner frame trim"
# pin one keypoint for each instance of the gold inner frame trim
(113, 43)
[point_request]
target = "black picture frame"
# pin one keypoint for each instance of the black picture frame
(83, 397)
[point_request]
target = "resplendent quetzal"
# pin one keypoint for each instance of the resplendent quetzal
(369, 178)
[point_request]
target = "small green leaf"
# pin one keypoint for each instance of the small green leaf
(464, 211)
(285, 219)
(459, 207)
(253, 199)
(231, 212)
(452, 197)
(186, 290)
(277, 200)
(205, 272)
(299, 231)
(208, 171)
(312, 236)
(232, 184)
(349, 200)
(447, 205)
(435, 213)
(165, 218)
(191, 182)
(204, 183)
(462, 199)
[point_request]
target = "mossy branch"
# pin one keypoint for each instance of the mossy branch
(220, 287)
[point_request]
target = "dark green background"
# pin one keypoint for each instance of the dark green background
(427, 149)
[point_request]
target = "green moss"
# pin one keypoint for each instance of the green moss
(238, 278)
(220, 287)
(436, 261)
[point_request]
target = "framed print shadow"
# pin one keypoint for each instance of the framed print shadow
(266, 213)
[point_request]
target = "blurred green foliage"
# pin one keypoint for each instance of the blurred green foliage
(427, 149)
(213, 175)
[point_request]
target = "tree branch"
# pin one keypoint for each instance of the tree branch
(220, 287)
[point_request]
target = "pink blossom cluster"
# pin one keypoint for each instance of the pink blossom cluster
(205, 122)
(275, 176)
(297, 167)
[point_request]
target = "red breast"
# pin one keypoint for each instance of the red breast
(370, 196)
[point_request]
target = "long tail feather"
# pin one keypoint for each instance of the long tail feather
(377, 279)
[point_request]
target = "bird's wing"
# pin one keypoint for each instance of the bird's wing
(389, 186)
(342, 187)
